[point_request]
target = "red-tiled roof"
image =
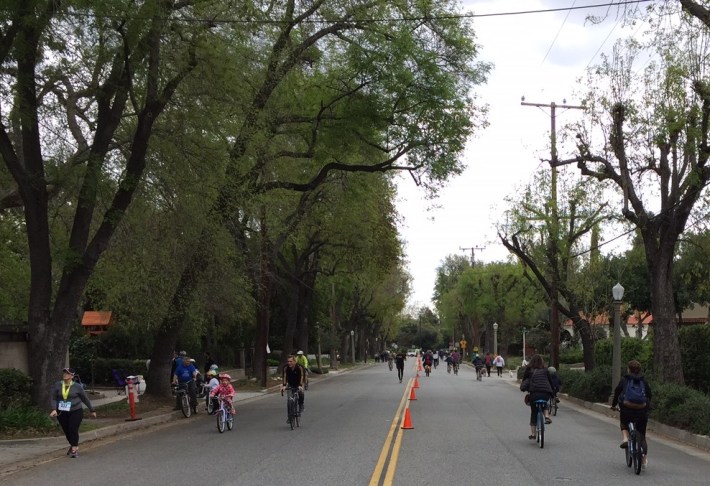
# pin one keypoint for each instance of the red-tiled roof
(97, 318)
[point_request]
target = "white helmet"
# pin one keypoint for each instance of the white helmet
(299, 353)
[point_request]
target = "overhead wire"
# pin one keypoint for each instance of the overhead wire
(469, 15)
(558, 32)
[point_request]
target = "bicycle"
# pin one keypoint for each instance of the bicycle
(540, 422)
(634, 450)
(180, 391)
(553, 405)
(224, 416)
(479, 373)
(294, 417)
(390, 363)
(448, 368)
(456, 368)
(427, 369)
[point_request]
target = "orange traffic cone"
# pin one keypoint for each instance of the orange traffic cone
(407, 420)
(416, 382)
(412, 396)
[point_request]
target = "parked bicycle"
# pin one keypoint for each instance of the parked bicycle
(292, 407)
(540, 422)
(224, 415)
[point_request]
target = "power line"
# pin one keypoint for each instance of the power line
(558, 32)
(469, 15)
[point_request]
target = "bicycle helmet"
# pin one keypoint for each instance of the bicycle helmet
(223, 376)
(300, 352)
(211, 373)
(552, 369)
(214, 367)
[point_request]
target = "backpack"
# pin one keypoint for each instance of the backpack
(634, 396)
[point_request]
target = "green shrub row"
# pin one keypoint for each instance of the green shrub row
(26, 418)
(15, 389)
(695, 356)
(572, 356)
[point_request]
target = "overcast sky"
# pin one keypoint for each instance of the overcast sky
(541, 56)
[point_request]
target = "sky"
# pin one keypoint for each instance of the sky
(541, 56)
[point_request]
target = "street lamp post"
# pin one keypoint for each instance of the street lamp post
(352, 346)
(617, 291)
(495, 338)
(525, 361)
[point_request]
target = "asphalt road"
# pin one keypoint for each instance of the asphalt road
(465, 432)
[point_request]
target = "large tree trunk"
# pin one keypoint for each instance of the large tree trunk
(666, 347)
(582, 327)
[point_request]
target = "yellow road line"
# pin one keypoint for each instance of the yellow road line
(392, 466)
(377, 473)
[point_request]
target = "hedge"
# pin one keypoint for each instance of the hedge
(695, 356)
(103, 367)
(15, 389)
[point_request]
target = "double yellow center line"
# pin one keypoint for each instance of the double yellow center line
(395, 434)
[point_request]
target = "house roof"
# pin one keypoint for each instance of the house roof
(97, 318)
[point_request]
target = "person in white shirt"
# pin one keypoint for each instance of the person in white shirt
(499, 362)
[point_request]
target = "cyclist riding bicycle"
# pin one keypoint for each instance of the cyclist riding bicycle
(556, 382)
(294, 377)
(428, 360)
(537, 382)
(478, 364)
(632, 411)
(225, 391)
(455, 359)
(436, 359)
(302, 359)
(185, 374)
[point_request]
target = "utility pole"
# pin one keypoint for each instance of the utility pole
(473, 250)
(554, 228)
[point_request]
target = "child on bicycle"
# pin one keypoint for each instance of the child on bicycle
(225, 391)
(556, 382)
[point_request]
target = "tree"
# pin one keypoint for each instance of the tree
(656, 137)
(104, 77)
(331, 91)
(527, 237)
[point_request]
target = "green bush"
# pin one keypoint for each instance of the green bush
(272, 362)
(572, 356)
(594, 386)
(631, 348)
(314, 369)
(15, 389)
(680, 406)
(25, 418)
(695, 356)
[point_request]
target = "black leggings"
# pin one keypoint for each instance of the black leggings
(70, 422)
(400, 372)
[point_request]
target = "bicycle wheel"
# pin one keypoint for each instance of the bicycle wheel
(230, 421)
(554, 406)
(185, 405)
(291, 410)
(390, 365)
(636, 454)
(211, 408)
(540, 427)
(221, 419)
(627, 454)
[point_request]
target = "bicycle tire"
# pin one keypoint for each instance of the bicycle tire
(390, 365)
(627, 453)
(185, 405)
(221, 420)
(291, 410)
(210, 406)
(230, 421)
(635, 452)
(540, 427)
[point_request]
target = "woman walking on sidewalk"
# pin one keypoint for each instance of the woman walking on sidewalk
(67, 398)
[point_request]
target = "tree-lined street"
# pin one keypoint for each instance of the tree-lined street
(464, 432)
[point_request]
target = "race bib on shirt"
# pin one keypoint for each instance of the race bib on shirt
(64, 406)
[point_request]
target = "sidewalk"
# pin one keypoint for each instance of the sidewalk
(16, 455)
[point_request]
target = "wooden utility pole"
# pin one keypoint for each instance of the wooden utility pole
(554, 229)
(473, 250)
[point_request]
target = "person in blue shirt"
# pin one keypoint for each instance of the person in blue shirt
(185, 374)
